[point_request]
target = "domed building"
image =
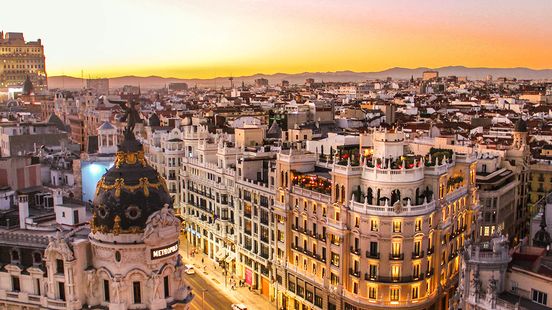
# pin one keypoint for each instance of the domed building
(134, 237)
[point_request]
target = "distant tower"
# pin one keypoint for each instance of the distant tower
(520, 134)
(231, 79)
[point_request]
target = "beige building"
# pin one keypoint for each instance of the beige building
(381, 231)
(20, 60)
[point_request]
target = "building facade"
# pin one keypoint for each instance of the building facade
(21, 59)
(379, 231)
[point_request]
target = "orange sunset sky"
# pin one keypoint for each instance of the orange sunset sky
(208, 38)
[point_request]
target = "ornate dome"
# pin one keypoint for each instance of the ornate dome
(129, 192)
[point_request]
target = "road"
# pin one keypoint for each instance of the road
(214, 298)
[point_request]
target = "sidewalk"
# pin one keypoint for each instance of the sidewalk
(242, 295)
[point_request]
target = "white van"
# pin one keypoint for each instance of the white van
(239, 307)
(189, 269)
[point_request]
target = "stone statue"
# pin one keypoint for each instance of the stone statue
(162, 218)
(92, 280)
(118, 289)
(153, 283)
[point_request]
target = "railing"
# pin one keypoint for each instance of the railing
(416, 255)
(311, 194)
(457, 193)
(335, 223)
(387, 279)
(396, 256)
(386, 210)
(393, 175)
(372, 254)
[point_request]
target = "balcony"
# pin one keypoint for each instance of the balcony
(355, 273)
(387, 279)
(337, 224)
(375, 255)
(416, 255)
(355, 251)
(396, 256)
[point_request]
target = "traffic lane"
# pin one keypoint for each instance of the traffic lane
(214, 298)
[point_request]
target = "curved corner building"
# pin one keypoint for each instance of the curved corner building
(378, 226)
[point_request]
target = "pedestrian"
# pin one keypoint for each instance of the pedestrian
(202, 260)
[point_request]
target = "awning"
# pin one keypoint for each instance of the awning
(231, 256)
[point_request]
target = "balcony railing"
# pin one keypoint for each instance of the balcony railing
(355, 251)
(396, 256)
(370, 254)
(416, 255)
(355, 273)
(387, 279)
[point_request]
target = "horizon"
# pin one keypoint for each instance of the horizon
(305, 72)
(213, 38)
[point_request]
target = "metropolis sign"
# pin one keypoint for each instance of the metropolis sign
(164, 251)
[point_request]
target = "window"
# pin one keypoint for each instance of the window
(539, 297)
(334, 279)
(59, 266)
(374, 225)
(166, 286)
(37, 287)
(136, 292)
(394, 294)
(106, 290)
(396, 271)
(335, 259)
(372, 293)
(418, 226)
(396, 226)
(16, 287)
(415, 291)
(61, 288)
(373, 271)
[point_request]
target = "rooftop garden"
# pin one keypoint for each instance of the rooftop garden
(313, 183)
(436, 155)
(409, 162)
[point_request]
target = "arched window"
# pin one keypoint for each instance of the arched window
(342, 193)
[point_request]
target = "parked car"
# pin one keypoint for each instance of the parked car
(239, 307)
(189, 269)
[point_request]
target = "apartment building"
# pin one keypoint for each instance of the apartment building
(380, 229)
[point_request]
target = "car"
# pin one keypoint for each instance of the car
(189, 269)
(239, 307)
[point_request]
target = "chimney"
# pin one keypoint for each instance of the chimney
(23, 210)
(58, 197)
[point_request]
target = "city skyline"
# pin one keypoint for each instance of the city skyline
(214, 38)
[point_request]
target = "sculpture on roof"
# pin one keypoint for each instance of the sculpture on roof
(131, 117)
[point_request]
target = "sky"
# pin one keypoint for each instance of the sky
(210, 38)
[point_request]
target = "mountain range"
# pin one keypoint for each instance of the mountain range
(149, 82)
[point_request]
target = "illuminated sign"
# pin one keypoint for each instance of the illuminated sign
(164, 251)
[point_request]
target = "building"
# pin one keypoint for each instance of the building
(18, 139)
(381, 230)
(100, 86)
(20, 60)
(430, 75)
(126, 257)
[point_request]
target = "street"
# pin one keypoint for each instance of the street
(218, 296)
(214, 298)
